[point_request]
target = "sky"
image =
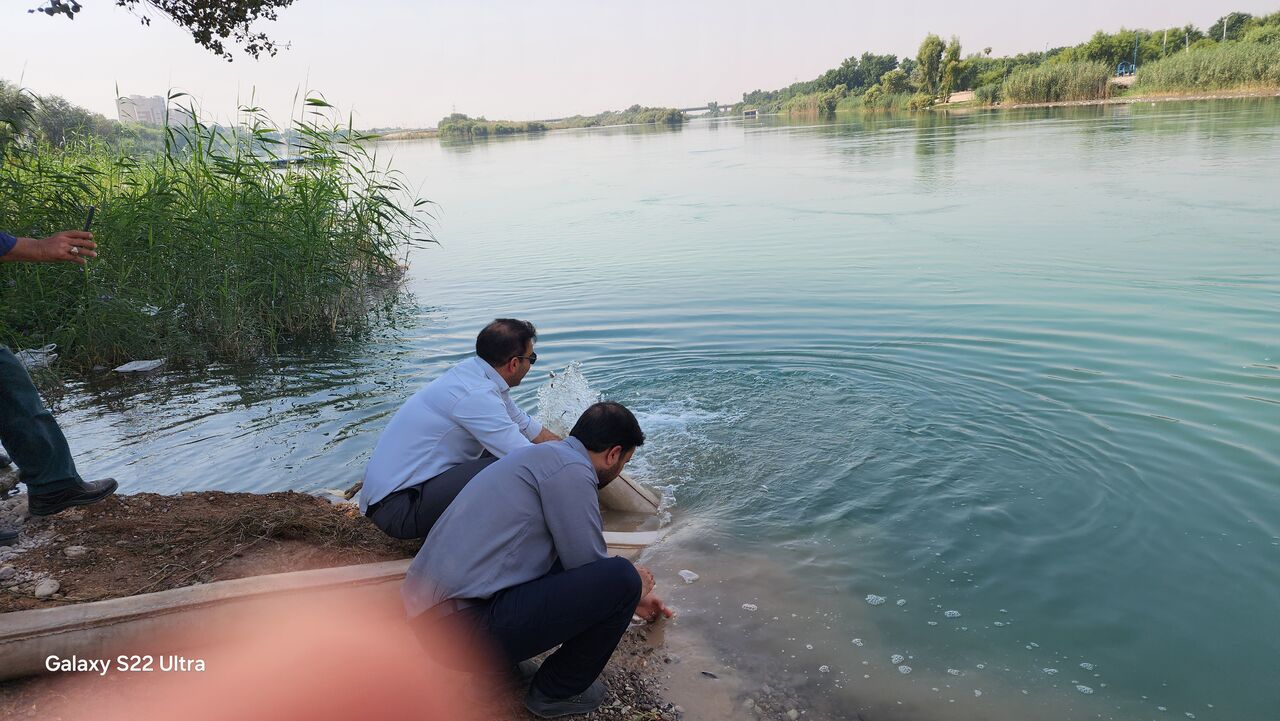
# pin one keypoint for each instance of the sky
(407, 64)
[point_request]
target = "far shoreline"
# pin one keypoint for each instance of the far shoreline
(1131, 99)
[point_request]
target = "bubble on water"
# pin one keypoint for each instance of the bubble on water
(933, 623)
(999, 624)
(809, 646)
(1086, 666)
(1188, 714)
(955, 671)
(951, 614)
(896, 659)
(1161, 708)
(1034, 645)
(981, 666)
(857, 642)
(977, 693)
(1050, 671)
(750, 607)
(902, 601)
(904, 669)
(875, 600)
(1004, 610)
(688, 576)
(1083, 689)
(824, 669)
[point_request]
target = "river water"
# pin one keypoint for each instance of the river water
(1017, 373)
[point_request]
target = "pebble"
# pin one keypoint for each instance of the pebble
(7, 572)
(793, 714)
(748, 703)
(75, 551)
(47, 587)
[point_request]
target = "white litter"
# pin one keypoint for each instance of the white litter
(144, 366)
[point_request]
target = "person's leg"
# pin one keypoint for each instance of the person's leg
(29, 432)
(411, 512)
(585, 610)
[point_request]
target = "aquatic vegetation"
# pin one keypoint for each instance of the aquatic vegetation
(1056, 82)
(1219, 67)
(210, 249)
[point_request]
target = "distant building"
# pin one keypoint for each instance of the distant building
(137, 109)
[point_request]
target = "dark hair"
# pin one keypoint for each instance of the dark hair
(504, 339)
(608, 424)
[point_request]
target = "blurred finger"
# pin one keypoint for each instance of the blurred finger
(78, 234)
(87, 254)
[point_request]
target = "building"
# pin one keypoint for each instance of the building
(137, 109)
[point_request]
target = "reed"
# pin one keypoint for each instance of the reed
(1221, 67)
(208, 250)
(1057, 82)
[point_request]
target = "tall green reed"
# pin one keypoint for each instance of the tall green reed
(1221, 67)
(209, 250)
(1057, 82)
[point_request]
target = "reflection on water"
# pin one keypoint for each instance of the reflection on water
(1019, 365)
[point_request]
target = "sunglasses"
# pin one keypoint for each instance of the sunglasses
(532, 358)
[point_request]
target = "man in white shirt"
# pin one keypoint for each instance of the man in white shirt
(450, 430)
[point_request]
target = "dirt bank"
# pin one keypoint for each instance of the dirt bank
(143, 543)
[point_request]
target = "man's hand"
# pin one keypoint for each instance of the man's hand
(69, 246)
(651, 608)
(545, 436)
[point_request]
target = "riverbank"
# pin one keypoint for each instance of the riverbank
(1147, 98)
(143, 543)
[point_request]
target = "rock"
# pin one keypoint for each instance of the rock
(793, 714)
(7, 572)
(75, 551)
(47, 587)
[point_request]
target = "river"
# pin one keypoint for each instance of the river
(1017, 373)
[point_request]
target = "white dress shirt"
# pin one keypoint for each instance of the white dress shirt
(452, 420)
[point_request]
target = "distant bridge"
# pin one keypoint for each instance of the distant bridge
(722, 106)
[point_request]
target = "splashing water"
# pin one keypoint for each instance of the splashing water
(563, 398)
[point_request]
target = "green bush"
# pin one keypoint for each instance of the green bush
(1056, 82)
(920, 101)
(987, 94)
(1224, 66)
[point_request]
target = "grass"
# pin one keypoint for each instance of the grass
(1057, 82)
(1222, 67)
(206, 251)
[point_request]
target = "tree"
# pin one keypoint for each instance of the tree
(929, 58)
(210, 22)
(894, 81)
(950, 68)
(874, 67)
(1229, 27)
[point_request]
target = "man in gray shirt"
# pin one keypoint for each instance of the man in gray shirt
(518, 565)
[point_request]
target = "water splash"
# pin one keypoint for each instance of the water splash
(563, 398)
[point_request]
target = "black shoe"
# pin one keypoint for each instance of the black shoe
(8, 538)
(483, 687)
(82, 494)
(543, 706)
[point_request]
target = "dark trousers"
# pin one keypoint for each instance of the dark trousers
(411, 512)
(585, 611)
(29, 434)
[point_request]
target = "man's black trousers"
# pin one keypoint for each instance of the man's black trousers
(584, 610)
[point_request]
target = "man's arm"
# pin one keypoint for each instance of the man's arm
(484, 416)
(545, 436)
(69, 246)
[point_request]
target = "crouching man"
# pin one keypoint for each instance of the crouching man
(518, 565)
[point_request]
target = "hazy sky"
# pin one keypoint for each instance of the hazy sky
(409, 63)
